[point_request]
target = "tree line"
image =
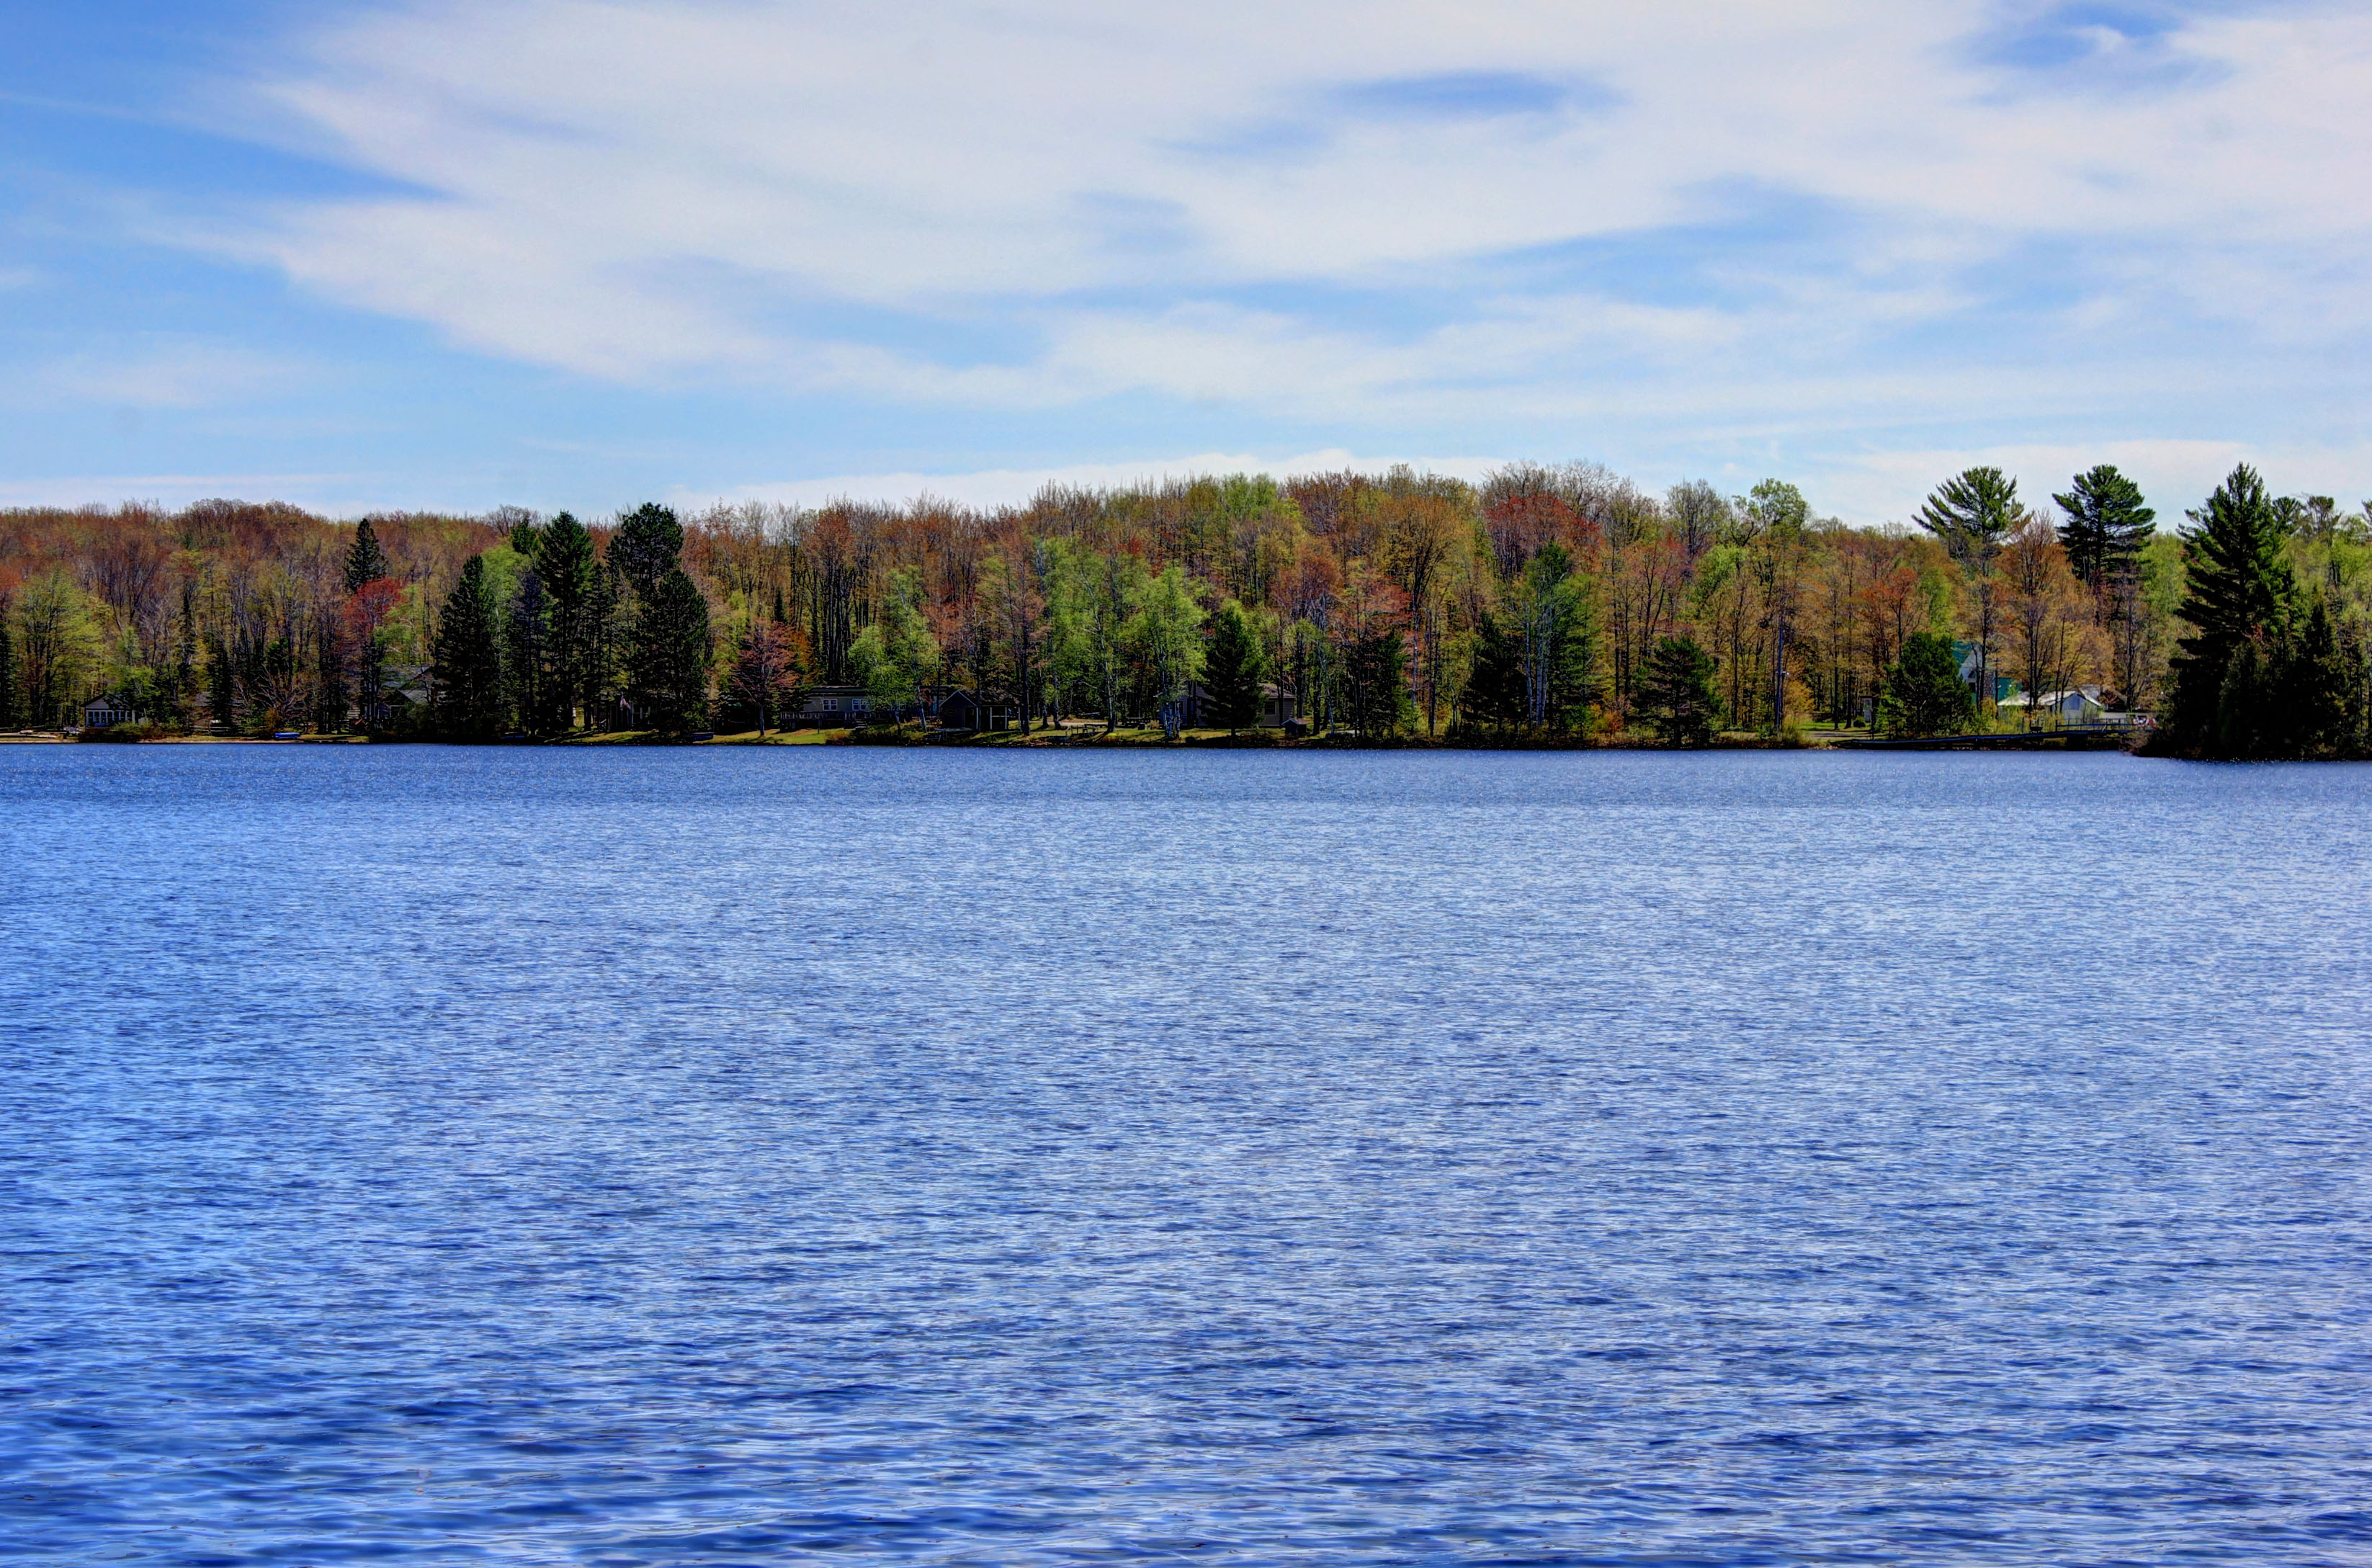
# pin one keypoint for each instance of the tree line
(1546, 602)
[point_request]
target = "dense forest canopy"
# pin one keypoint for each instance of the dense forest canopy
(1559, 601)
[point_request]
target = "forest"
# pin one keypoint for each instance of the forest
(1550, 604)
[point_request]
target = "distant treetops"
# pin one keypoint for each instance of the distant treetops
(1552, 603)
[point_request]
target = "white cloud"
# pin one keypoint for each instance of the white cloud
(642, 190)
(173, 373)
(170, 489)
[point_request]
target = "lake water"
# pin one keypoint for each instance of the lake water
(729, 1156)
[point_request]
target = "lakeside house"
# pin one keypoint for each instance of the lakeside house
(829, 707)
(971, 713)
(1966, 655)
(2083, 704)
(108, 710)
(1278, 707)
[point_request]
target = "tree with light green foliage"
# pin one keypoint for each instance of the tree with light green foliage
(1094, 601)
(57, 650)
(1547, 613)
(1166, 632)
(893, 657)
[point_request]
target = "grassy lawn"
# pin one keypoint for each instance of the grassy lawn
(778, 738)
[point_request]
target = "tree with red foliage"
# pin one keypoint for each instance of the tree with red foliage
(767, 670)
(366, 613)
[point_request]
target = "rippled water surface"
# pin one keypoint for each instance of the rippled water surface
(657, 1157)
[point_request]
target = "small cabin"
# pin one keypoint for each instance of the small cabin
(105, 713)
(833, 707)
(971, 713)
(1277, 706)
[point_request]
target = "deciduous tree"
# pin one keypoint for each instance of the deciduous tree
(767, 670)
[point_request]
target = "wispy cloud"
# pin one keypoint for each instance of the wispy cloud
(639, 191)
(1783, 237)
(172, 372)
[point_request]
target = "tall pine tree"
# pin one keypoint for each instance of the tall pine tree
(646, 547)
(1495, 686)
(468, 662)
(2237, 595)
(2107, 522)
(1232, 669)
(565, 560)
(671, 656)
(1677, 699)
(11, 712)
(365, 562)
(527, 655)
(1970, 513)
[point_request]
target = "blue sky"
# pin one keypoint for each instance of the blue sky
(560, 253)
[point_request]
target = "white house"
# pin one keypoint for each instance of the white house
(100, 712)
(2080, 705)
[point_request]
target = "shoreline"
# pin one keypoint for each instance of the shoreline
(1079, 740)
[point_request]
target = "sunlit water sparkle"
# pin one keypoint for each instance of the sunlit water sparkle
(725, 1157)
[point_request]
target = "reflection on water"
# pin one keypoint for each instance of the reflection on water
(705, 1157)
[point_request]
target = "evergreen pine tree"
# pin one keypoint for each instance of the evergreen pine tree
(366, 562)
(2238, 593)
(1924, 694)
(2314, 708)
(565, 560)
(1494, 687)
(222, 685)
(671, 656)
(331, 700)
(12, 711)
(646, 547)
(604, 632)
(2106, 524)
(469, 663)
(1374, 683)
(527, 655)
(1233, 668)
(1677, 698)
(1972, 513)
